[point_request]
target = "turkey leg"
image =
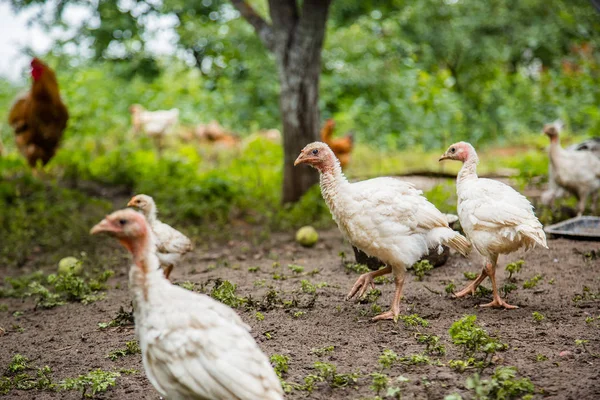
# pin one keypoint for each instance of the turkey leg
(395, 309)
(366, 280)
(497, 302)
(473, 285)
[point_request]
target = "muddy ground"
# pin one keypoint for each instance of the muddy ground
(67, 338)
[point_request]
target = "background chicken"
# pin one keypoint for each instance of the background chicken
(342, 147)
(214, 133)
(39, 117)
(193, 347)
(495, 217)
(171, 244)
(575, 170)
(156, 124)
(383, 217)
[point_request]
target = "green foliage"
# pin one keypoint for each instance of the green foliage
(432, 344)
(470, 275)
(56, 289)
(387, 359)
(328, 373)
(280, 364)
(123, 318)
(414, 321)
(224, 291)
(537, 317)
(131, 347)
(320, 352)
(19, 363)
(531, 283)
(296, 269)
(379, 382)
(421, 268)
(259, 316)
(307, 287)
(514, 268)
(473, 339)
(503, 385)
(92, 383)
(358, 268)
(449, 289)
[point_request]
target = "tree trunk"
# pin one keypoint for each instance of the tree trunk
(301, 121)
(296, 39)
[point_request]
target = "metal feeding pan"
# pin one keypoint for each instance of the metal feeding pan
(580, 228)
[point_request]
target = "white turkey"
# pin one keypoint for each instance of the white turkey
(193, 347)
(157, 125)
(496, 218)
(574, 170)
(171, 244)
(383, 217)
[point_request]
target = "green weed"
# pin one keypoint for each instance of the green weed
(531, 283)
(387, 359)
(537, 317)
(413, 321)
(92, 383)
(296, 269)
(320, 352)
(470, 275)
(421, 268)
(474, 340)
(432, 344)
(19, 363)
(514, 268)
(503, 384)
(131, 348)
(358, 268)
(225, 292)
(280, 364)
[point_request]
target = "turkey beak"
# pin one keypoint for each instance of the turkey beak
(131, 203)
(300, 159)
(102, 226)
(444, 156)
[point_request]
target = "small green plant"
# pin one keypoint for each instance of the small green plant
(253, 269)
(131, 347)
(507, 288)
(371, 296)
(296, 269)
(299, 314)
(502, 385)
(473, 339)
(379, 382)
(307, 287)
(541, 357)
(450, 288)
(19, 363)
(415, 359)
(470, 275)
(224, 291)
(380, 280)
(123, 318)
(531, 283)
(413, 321)
(187, 285)
(432, 344)
(259, 316)
(482, 291)
(320, 352)
(328, 372)
(92, 383)
(537, 317)
(387, 359)
(514, 268)
(586, 295)
(5, 385)
(358, 268)
(421, 268)
(280, 364)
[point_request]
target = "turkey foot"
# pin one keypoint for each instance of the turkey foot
(366, 280)
(395, 309)
(498, 302)
(167, 271)
(473, 285)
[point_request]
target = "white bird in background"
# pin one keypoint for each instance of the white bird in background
(193, 347)
(496, 218)
(155, 124)
(383, 217)
(576, 170)
(171, 244)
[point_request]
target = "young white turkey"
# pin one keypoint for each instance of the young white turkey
(383, 217)
(575, 170)
(171, 244)
(193, 347)
(496, 218)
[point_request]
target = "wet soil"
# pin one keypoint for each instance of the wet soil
(67, 338)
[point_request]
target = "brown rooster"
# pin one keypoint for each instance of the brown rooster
(39, 116)
(342, 147)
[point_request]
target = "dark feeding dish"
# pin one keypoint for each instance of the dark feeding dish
(580, 228)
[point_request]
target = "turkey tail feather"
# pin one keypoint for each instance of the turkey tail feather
(459, 243)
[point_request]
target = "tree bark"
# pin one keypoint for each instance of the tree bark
(296, 38)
